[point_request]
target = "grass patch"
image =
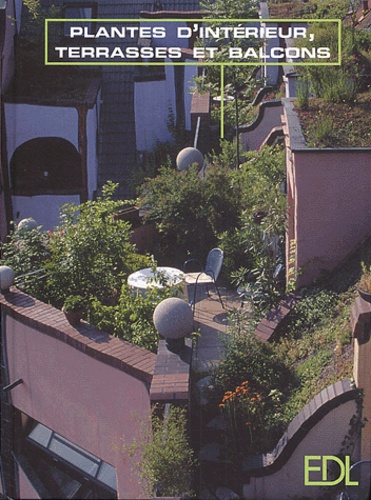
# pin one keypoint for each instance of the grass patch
(328, 124)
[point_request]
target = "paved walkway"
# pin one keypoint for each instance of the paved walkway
(211, 320)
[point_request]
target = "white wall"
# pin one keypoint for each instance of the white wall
(26, 122)
(44, 208)
(189, 73)
(152, 101)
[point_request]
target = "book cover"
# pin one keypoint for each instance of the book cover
(185, 261)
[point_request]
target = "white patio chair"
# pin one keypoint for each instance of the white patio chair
(207, 275)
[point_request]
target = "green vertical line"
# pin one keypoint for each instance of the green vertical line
(222, 101)
(46, 42)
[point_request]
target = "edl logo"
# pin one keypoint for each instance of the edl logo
(322, 467)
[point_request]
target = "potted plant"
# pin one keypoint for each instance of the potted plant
(364, 285)
(73, 308)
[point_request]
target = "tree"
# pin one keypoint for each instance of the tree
(90, 252)
(188, 211)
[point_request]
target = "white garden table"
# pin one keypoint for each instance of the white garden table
(142, 280)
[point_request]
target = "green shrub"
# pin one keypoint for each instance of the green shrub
(302, 95)
(340, 88)
(322, 132)
(190, 212)
(316, 306)
(246, 358)
(167, 461)
(74, 303)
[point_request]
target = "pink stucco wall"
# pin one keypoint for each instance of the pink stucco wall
(329, 203)
(94, 405)
(332, 208)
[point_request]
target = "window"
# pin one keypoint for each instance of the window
(82, 468)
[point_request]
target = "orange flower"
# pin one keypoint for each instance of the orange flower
(221, 405)
(253, 399)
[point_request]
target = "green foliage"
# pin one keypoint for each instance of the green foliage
(251, 384)
(365, 281)
(261, 177)
(330, 9)
(337, 83)
(317, 305)
(132, 318)
(193, 215)
(167, 461)
(190, 212)
(247, 358)
(283, 376)
(74, 303)
(25, 251)
(252, 419)
(302, 95)
(224, 9)
(90, 252)
(322, 132)
(149, 163)
(87, 260)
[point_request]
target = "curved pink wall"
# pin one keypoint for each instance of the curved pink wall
(96, 406)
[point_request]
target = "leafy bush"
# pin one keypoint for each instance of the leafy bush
(252, 382)
(132, 318)
(302, 95)
(189, 212)
(167, 461)
(26, 251)
(87, 259)
(253, 420)
(322, 132)
(316, 306)
(193, 215)
(247, 358)
(338, 83)
(90, 252)
(74, 303)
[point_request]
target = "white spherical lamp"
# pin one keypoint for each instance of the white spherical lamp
(189, 156)
(27, 224)
(6, 278)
